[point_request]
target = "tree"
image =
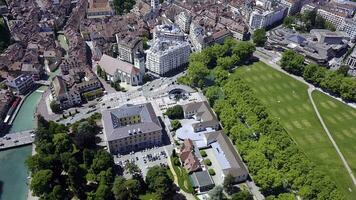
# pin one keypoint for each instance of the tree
(119, 190)
(229, 182)
(203, 153)
(55, 107)
(196, 73)
(259, 37)
(158, 180)
(58, 193)
(211, 172)
(62, 143)
(175, 124)
(85, 135)
(132, 168)
(242, 195)
(41, 182)
(99, 71)
(216, 193)
(207, 162)
(175, 112)
(292, 62)
(103, 192)
(133, 187)
(102, 161)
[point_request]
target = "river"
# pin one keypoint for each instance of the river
(13, 171)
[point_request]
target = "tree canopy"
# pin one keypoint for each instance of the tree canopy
(259, 37)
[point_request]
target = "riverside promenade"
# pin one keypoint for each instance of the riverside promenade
(13, 140)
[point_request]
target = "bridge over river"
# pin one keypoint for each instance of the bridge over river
(13, 140)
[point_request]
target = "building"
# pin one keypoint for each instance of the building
(128, 47)
(203, 114)
(188, 158)
(349, 26)
(61, 94)
(99, 9)
(131, 128)
(329, 37)
(168, 32)
(167, 55)
(22, 84)
(183, 20)
(201, 181)
(118, 70)
(293, 6)
(264, 18)
(351, 60)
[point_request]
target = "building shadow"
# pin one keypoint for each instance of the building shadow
(165, 137)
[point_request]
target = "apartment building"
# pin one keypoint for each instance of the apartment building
(131, 128)
(128, 46)
(167, 55)
(21, 84)
(183, 20)
(62, 95)
(293, 6)
(264, 18)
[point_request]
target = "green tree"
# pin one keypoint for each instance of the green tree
(41, 183)
(55, 107)
(158, 180)
(259, 37)
(102, 160)
(175, 124)
(292, 62)
(196, 74)
(242, 195)
(119, 190)
(216, 193)
(133, 187)
(132, 168)
(228, 184)
(85, 135)
(175, 112)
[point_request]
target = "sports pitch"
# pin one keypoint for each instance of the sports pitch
(287, 99)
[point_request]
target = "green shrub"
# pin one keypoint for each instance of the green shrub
(207, 162)
(175, 124)
(203, 153)
(211, 172)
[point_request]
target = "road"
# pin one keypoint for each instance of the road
(311, 88)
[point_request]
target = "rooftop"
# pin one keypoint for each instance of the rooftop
(114, 129)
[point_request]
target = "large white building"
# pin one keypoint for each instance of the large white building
(167, 55)
(264, 18)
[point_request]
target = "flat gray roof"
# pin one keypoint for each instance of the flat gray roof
(201, 179)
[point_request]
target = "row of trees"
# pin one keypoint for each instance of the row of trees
(335, 82)
(306, 21)
(278, 167)
(215, 62)
(68, 165)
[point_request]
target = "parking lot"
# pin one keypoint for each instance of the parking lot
(145, 159)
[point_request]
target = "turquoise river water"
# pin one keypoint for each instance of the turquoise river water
(13, 171)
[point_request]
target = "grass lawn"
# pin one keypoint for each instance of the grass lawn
(341, 122)
(287, 99)
(149, 196)
(183, 178)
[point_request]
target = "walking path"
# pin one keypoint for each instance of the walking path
(311, 88)
(310, 91)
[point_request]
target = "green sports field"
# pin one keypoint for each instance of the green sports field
(341, 122)
(287, 99)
